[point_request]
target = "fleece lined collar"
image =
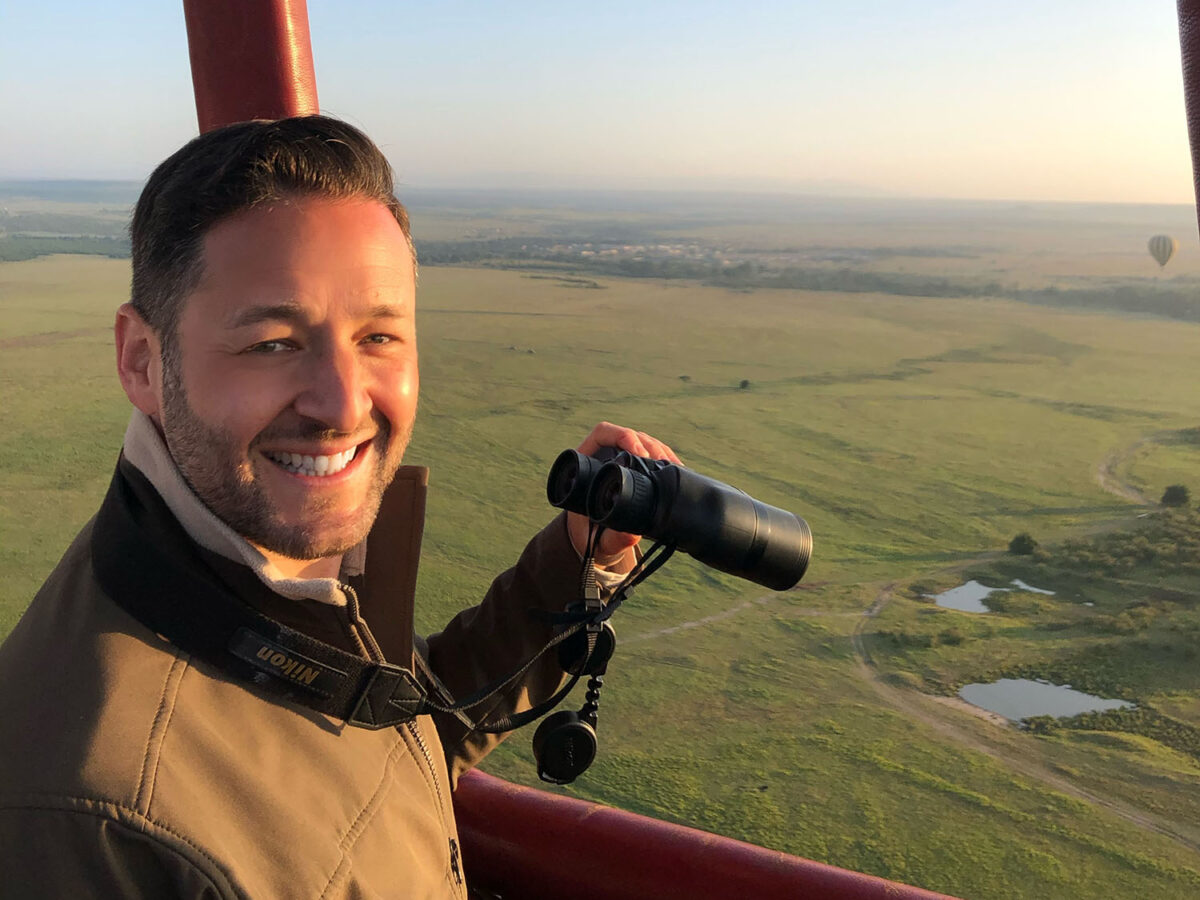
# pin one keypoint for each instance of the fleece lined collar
(145, 449)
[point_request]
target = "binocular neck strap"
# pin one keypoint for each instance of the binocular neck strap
(174, 594)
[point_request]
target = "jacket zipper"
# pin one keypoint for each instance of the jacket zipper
(455, 865)
(360, 630)
(372, 650)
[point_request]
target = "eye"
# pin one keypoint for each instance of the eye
(275, 346)
(378, 339)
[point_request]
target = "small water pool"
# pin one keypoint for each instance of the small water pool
(1020, 698)
(969, 597)
(965, 598)
(1022, 586)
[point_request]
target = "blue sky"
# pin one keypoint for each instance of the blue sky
(1067, 100)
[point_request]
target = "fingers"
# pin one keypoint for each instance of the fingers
(614, 550)
(638, 443)
(656, 449)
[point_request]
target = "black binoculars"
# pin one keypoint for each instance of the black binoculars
(716, 524)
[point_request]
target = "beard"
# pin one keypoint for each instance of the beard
(227, 479)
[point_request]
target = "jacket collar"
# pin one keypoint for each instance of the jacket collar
(145, 448)
(148, 565)
(383, 569)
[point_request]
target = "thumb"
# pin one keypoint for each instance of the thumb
(614, 546)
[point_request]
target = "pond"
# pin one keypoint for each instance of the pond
(1022, 586)
(969, 597)
(1020, 698)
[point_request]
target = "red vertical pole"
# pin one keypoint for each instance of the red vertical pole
(251, 59)
(1189, 41)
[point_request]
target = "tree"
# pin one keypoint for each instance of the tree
(745, 384)
(1176, 495)
(952, 636)
(1023, 544)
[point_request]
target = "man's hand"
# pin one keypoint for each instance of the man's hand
(615, 550)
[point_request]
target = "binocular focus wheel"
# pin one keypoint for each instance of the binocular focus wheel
(564, 746)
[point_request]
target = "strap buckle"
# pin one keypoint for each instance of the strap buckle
(391, 696)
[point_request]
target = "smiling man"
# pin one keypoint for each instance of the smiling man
(216, 694)
(291, 410)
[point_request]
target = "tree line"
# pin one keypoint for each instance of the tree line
(1142, 297)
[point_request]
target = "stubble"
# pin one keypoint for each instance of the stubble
(225, 478)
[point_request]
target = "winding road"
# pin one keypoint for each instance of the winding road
(950, 718)
(1108, 478)
(945, 720)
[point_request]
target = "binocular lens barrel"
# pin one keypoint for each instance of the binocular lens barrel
(720, 526)
(621, 499)
(570, 477)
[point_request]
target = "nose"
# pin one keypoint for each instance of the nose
(335, 392)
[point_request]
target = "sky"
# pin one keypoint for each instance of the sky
(1070, 100)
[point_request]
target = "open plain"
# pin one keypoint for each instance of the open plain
(916, 434)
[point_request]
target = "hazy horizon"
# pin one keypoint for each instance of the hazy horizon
(126, 190)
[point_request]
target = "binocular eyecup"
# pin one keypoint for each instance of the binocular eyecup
(716, 524)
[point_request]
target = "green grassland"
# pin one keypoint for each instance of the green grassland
(916, 435)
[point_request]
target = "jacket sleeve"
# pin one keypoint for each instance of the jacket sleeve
(489, 641)
(77, 850)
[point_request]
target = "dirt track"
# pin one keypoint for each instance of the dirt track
(1110, 481)
(944, 719)
(949, 718)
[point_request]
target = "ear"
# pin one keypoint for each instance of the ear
(139, 360)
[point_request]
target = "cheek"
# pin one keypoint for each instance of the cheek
(240, 403)
(396, 393)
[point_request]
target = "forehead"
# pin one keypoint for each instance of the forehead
(308, 251)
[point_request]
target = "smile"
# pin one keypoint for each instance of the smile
(312, 466)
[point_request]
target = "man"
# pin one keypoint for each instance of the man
(212, 696)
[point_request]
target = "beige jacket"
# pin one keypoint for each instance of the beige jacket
(129, 769)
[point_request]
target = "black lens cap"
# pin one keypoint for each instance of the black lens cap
(564, 746)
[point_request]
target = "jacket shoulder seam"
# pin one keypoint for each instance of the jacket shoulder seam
(158, 734)
(124, 816)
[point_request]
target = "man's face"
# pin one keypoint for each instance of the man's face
(296, 386)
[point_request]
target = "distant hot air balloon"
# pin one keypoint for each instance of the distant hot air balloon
(1162, 248)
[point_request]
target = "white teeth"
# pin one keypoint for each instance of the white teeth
(313, 466)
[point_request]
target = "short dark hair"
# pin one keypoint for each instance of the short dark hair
(232, 169)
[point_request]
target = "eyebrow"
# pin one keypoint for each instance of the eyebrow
(294, 312)
(275, 312)
(387, 311)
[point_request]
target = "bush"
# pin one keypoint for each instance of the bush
(1040, 724)
(922, 591)
(1176, 495)
(952, 637)
(908, 680)
(1145, 721)
(1023, 544)
(745, 384)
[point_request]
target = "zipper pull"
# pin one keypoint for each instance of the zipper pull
(454, 864)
